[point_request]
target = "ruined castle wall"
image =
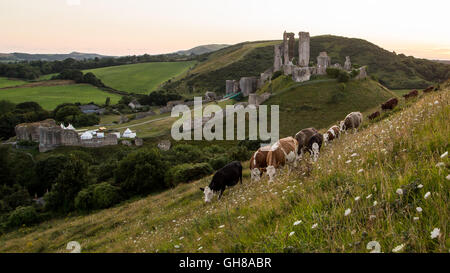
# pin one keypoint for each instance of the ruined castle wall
(303, 49)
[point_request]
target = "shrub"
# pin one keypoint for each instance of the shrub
(333, 72)
(105, 195)
(276, 74)
(186, 173)
(343, 76)
(84, 200)
(23, 216)
(219, 162)
(239, 153)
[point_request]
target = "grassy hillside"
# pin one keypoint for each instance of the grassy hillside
(395, 71)
(339, 204)
(140, 78)
(5, 82)
(51, 96)
(322, 102)
(198, 50)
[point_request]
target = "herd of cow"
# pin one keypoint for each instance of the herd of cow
(290, 150)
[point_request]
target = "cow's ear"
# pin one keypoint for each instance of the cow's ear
(202, 189)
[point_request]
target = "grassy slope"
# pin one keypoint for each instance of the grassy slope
(4, 82)
(260, 217)
(50, 96)
(140, 78)
(321, 103)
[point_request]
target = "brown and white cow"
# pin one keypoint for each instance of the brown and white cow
(351, 121)
(258, 162)
(303, 137)
(282, 152)
(331, 134)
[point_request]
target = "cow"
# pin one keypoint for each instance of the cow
(302, 138)
(411, 94)
(314, 145)
(428, 89)
(258, 162)
(374, 115)
(331, 134)
(390, 104)
(351, 121)
(282, 152)
(227, 176)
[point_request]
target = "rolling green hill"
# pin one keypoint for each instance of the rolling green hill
(338, 204)
(51, 96)
(396, 71)
(4, 82)
(141, 78)
(198, 50)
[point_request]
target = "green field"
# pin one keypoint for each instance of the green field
(51, 96)
(140, 78)
(4, 82)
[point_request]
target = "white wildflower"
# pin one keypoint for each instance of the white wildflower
(435, 233)
(297, 222)
(369, 196)
(348, 161)
(375, 203)
(371, 217)
(440, 164)
(399, 191)
(200, 248)
(420, 186)
(360, 170)
(354, 154)
(448, 177)
(398, 248)
(222, 226)
(347, 212)
(181, 238)
(444, 154)
(427, 195)
(419, 209)
(177, 246)
(357, 198)
(416, 218)
(314, 226)
(292, 233)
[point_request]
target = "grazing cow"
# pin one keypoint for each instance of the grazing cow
(374, 115)
(258, 162)
(302, 138)
(284, 151)
(429, 89)
(390, 104)
(228, 176)
(314, 145)
(331, 134)
(351, 121)
(411, 94)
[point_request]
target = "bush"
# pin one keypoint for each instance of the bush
(84, 200)
(276, 74)
(105, 195)
(343, 76)
(23, 216)
(240, 153)
(186, 173)
(219, 162)
(333, 72)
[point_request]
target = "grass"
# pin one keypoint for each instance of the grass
(51, 96)
(5, 82)
(401, 92)
(140, 78)
(399, 151)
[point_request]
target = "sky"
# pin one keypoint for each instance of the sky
(128, 27)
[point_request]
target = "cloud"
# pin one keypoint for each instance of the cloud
(73, 2)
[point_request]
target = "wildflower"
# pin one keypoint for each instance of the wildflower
(440, 164)
(348, 161)
(292, 233)
(200, 248)
(444, 154)
(181, 238)
(357, 198)
(448, 177)
(347, 212)
(375, 203)
(428, 194)
(222, 226)
(420, 186)
(435, 233)
(177, 246)
(314, 226)
(369, 196)
(399, 191)
(354, 154)
(416, 218)
(297, 222)
(199, 238)
(419, 209)
(360, 170)
(398, 248)
(371, 217)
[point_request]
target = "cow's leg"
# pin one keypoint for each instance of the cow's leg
(220, 194)
(271, 173)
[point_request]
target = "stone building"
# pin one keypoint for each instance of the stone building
(248, 85)
(231, 86)
(301, 74)
(303, 49)
(323, 62)
(288, 47)
(348, 63)
(255, 99)
(277, 61)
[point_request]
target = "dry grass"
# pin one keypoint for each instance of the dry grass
(400, 151)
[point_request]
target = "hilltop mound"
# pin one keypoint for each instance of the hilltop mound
(198, 50)
(347, 199)
(396, 71)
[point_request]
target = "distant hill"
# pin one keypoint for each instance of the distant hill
(396, 71)
(442, 61)
(17, 56)
(201, 49)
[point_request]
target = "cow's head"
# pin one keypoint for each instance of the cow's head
(342, 125)
(325, 137)
(315, 151)
(209, 194)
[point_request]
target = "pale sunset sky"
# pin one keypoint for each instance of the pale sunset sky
(127, 27)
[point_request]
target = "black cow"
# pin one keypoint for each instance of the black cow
(314, 150)
(227, 176)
